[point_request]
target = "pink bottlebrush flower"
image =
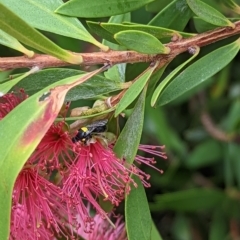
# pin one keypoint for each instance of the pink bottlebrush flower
(103, 230)
(96, 171)
(37, 209)
(21, 231)
(54, 150)
(10, 100)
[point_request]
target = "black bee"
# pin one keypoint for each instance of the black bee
(86, 133)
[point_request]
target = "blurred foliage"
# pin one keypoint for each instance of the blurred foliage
(197, 160)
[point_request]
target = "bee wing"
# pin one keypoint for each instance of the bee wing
(97, 124)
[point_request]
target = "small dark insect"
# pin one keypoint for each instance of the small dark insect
(86, 133)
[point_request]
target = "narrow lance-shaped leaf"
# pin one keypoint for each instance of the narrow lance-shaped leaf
(156, 6)
(5, 87)
(117, 72)
(134, 90)
(154, 233)
(210, 149)
(16, 27)
(96, 8)
(138, 217)
(219, 225)
(175, 16)
(209, 14)
(154, 79)
(40, 14)
(141, 42)
(164, 82)
(231, 4)
(125, 17)
(107, 30)
(188, 200)
(199, 72)
(232, 119)
(95, 86)
(9, 41)
(24, 132)
(233, 156)
(103, 33)
(127, 144)
(201, 25)
(155, 31)
(228, 172)
(158, 32)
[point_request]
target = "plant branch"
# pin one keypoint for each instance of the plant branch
(114, 57)
(212, 129)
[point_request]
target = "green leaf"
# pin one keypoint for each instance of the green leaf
(232, 5)
(231, 205)
(198, 72)
(134, 40)
(201, 25)
(24, 132)
(4, 75)
(134, 90)
(191, 200)
(106, 205)
(116, 72)
(127, 144)
(96, 8)
(16, 27)
(219, 226)
(166, 81)
(233, 157)
(181, 227)
(156, 6)
(95, 86)
(6, 86)
(204, 154)
(209, 14)
(9, 41)
(126, 17)
(223, 79)
(154, 233)
(175, 16)
(214, 4)
(157, 122)
(193, 91)
(103, 33)
(112, 20)
(157, 32)
(134, 70)
(233, 118)
(40, 14)
(138, 217)
(154, 79)
(228, 171)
